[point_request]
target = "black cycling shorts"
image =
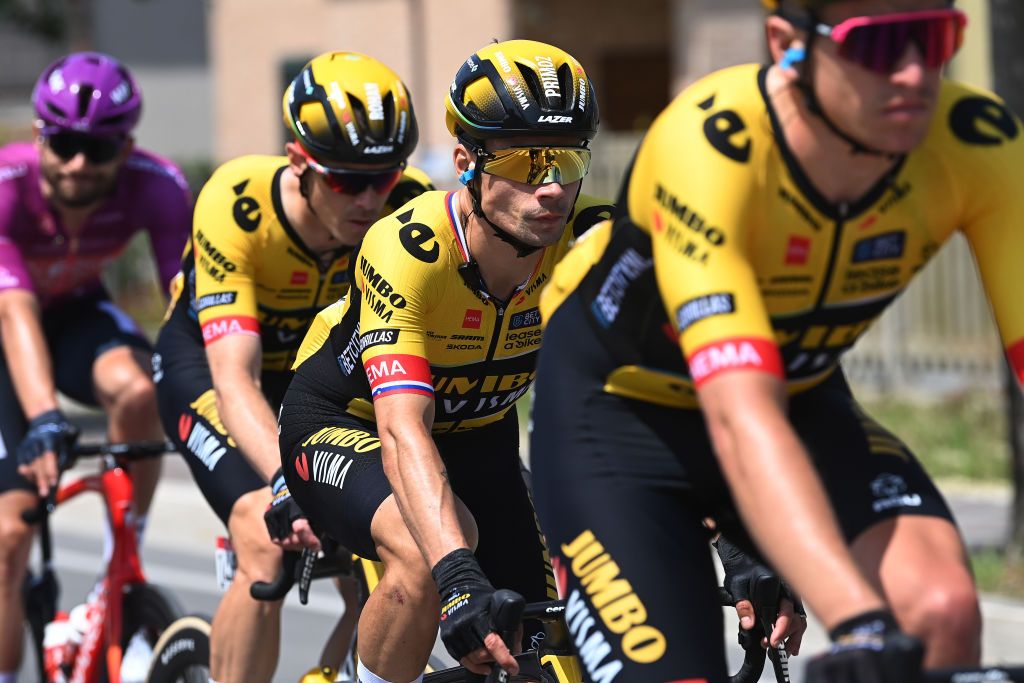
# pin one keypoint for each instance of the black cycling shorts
(622, 486)
(188, 412)
(335, 473)
(77, 333)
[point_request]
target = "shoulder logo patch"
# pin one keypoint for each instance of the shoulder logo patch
(983, 121)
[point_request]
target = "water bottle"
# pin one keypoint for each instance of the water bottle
(60, 645)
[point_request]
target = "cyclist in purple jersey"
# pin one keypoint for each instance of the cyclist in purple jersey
(69, 204)
(40, 254)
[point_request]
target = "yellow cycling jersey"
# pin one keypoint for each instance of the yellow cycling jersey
(414, 324)
(247, 270)
(726, 251)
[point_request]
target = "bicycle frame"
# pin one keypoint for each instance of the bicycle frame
(123, 569)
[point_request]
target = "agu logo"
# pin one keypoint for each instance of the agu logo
(184, 426)
(472, 319)
(302, 466)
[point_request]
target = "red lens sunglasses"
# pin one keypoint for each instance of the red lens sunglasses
(344, 181)
(879, 42)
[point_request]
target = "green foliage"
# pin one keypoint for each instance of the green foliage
(198, 171)
(963, 437)
(995, 572)
(132, 278)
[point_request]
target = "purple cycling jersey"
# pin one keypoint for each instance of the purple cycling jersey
(37, 254)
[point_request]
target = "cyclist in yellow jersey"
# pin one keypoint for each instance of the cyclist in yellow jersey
(771, 214)
(271, 242)
(399, 432)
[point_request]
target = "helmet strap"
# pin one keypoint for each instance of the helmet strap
(522, 248)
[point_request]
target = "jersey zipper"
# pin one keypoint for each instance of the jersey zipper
(826, 282)
(499, 310)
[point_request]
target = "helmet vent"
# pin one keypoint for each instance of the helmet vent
(84, 98)
(389, 115)
(112, 120)
(534, 86)
(360, 115)
(55, 110)
(565, 83)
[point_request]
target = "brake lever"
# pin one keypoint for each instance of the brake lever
(305, 571)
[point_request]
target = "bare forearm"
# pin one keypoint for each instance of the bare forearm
(785, 507)
(422, 491)
(250, 421)
(28, 358)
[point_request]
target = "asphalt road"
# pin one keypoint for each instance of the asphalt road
(178, 555)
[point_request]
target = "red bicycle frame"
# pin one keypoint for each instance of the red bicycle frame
(123, 569)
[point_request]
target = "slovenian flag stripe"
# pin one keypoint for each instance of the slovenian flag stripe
(397, 373)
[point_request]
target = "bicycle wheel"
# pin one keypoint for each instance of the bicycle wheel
(182, 655)
(148, 611)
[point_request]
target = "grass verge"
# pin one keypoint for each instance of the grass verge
(996, 573)
(963, 437)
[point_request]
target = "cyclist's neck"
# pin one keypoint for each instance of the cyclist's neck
(501, 267)
(72, 218)
(307, 225)
(839, 173)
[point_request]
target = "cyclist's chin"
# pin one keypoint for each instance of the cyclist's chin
(349, 232)
(76, 193)
(899, 132)
(543, 233)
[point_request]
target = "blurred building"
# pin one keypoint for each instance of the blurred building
(638, 53)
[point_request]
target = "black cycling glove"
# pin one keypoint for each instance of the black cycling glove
(49, 431)
(465, 602)
(742, 571)
(283, 510)
(868, 648)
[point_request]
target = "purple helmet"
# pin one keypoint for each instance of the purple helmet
(87, 92)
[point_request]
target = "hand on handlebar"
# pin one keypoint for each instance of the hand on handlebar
(467, 627)
(286, 524)
(786, 615)
(48, 438)
(868, 648)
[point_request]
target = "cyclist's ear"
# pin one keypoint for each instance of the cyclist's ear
(296, 159)
(781, 36)
(464, 161)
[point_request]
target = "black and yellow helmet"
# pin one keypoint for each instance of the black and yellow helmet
(521, 87)
(346, 108)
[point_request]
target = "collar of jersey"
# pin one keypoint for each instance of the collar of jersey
(457, 227)
(460, 239)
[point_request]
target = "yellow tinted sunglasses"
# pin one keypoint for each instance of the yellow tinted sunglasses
(538, 165)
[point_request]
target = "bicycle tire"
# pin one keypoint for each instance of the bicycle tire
(182, 654)
(147, 610)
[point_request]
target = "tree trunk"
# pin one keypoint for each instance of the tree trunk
(1008, 62)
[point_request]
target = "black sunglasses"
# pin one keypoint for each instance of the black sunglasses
(97, 150)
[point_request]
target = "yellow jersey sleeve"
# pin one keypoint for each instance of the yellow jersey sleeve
(991, 160)
(686, 189)
(398, 289)
(224, 242)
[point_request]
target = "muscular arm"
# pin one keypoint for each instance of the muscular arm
(779, 495)
(417, 474)
(28, 358)
(235, 366)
